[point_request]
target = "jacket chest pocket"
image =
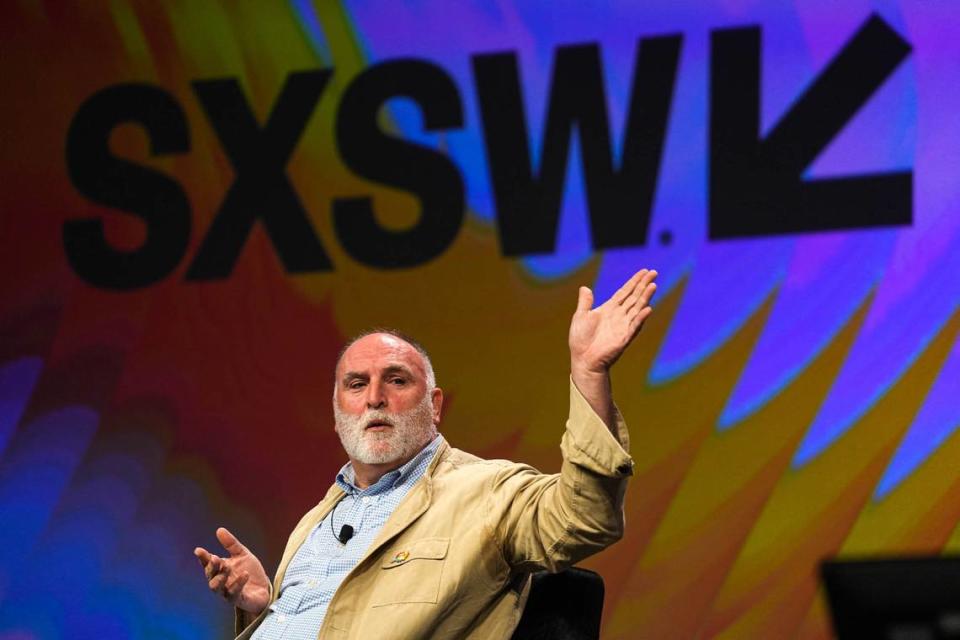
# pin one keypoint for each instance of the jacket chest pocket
(411, 572)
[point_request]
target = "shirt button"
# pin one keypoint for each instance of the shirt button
(366, 499)
(281, 618)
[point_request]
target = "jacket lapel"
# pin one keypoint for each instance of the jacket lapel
(411, 508)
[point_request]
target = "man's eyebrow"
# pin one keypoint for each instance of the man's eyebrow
(398, 368)
(354, 375)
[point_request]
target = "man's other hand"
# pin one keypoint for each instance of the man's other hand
(240, 578)
(598, 337)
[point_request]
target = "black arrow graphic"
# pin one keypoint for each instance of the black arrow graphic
(755, 184)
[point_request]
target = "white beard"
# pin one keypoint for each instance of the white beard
(411, 431)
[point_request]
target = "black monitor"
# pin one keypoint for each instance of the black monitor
(910, 598)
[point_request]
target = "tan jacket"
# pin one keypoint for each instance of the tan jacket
(453, 560)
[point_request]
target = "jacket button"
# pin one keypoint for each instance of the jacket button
(625, 469)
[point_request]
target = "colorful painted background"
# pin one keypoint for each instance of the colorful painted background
(792, 398)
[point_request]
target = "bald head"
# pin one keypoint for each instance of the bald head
(388, 341)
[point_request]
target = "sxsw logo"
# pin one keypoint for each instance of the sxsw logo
(755, 183)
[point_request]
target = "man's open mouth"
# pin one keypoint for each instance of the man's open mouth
(378, 425)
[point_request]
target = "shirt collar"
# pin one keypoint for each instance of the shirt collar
(346, 478)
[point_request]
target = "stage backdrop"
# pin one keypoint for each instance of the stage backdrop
(201, 201)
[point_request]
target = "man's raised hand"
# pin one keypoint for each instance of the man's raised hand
(239, 578)
(598, 337)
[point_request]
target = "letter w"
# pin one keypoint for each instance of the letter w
(619, 200)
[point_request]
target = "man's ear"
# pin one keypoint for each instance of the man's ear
(436, 396)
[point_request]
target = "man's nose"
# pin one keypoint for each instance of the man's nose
(376, 398)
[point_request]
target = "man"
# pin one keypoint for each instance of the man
(420, 540)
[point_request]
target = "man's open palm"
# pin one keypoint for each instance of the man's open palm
(599, 336)
(239, 578)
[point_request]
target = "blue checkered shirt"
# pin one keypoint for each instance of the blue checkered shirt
(321, 563)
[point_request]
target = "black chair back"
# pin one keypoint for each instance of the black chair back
(562, 606)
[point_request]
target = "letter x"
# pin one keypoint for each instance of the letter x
(261, 190)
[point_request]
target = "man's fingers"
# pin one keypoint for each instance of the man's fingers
(645, 281)
(637, 321)
(585, 299)
(235, 583)
(214, 566)
(217, 582)
(230, 542)
(624, 292)
(222, 578)
(202, 555)
(642, 297)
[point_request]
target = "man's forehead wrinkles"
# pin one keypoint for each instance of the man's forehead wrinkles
(396, 366)
(367, 355)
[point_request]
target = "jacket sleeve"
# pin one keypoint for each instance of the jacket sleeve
(241, 620)
(552, 521)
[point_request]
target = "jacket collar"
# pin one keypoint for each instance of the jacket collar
(413, 505)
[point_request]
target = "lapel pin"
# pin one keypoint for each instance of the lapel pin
(400, 557)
